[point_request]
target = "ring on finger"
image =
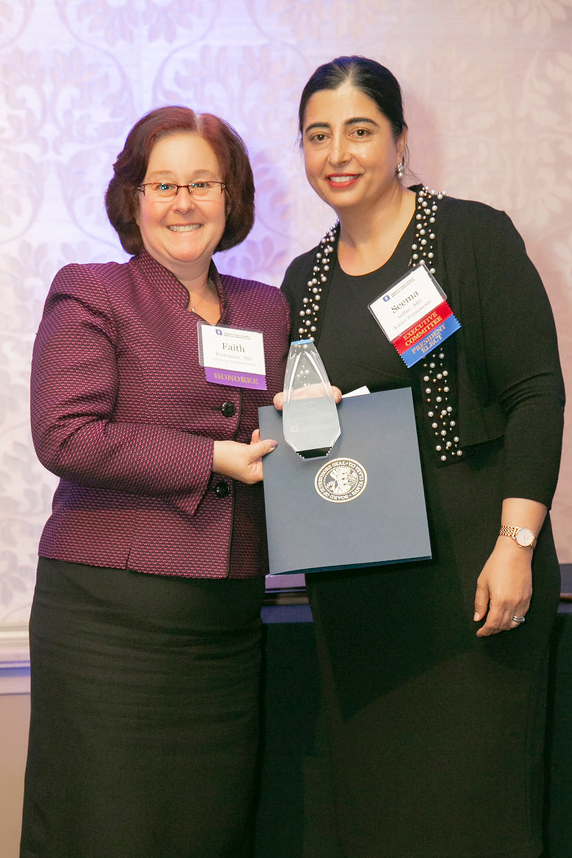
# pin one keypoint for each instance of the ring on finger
(519, 620)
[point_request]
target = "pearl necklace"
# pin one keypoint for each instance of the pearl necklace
(435, 375)
(421, 249)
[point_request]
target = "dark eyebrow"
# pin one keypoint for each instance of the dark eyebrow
(315, 125)
(358, 120)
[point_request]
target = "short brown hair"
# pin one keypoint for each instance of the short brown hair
(121, 198)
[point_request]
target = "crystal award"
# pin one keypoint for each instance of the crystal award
(310, 416)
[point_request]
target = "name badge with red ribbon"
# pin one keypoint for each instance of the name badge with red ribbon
(414, 314)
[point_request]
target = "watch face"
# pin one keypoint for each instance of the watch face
(524, 537)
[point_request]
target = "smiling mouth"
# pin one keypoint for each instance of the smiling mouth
(188, 227)
(343, 180)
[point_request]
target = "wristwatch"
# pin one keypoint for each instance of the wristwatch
(521, 535)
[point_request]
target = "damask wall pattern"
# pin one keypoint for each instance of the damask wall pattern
(488, 97)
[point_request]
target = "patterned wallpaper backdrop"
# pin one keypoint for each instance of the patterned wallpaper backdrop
(488, 95)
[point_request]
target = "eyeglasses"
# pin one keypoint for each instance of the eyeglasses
(167, 191)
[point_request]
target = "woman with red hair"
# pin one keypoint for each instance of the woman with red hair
(145, 630)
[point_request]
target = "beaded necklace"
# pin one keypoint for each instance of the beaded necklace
(435, 373)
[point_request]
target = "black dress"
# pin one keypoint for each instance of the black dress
(431, 738)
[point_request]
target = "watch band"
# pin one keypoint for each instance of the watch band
(513, 532)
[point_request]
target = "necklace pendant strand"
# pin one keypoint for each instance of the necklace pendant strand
(207, 289)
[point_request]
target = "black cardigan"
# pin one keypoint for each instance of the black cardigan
(508, 372)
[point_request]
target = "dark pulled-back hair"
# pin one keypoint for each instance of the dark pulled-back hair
(121, 198)
(373, 79)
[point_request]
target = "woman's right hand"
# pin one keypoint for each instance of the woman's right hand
(307, 391)
(242, 462)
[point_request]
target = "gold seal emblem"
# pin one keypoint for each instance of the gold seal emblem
(341, 480)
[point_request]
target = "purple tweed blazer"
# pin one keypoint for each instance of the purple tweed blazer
(122, 413)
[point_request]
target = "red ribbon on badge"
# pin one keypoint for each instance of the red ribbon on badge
(423, 327)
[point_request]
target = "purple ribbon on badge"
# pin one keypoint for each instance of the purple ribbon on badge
(235, 378)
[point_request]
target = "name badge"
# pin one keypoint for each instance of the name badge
(414, 314)
(232, 356)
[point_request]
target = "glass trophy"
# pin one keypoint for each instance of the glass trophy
(310, 415)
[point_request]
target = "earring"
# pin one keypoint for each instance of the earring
(399, 170)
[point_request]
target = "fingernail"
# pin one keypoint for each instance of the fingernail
(476, 616)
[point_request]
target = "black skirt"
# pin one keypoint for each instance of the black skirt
(145, 715)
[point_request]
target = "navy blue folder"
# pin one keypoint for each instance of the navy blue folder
(385, 523)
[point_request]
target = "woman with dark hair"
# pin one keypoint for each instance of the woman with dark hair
(145, 631)
(433, 673)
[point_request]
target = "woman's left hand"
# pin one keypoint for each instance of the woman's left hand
(504, 588)
(242, 462)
